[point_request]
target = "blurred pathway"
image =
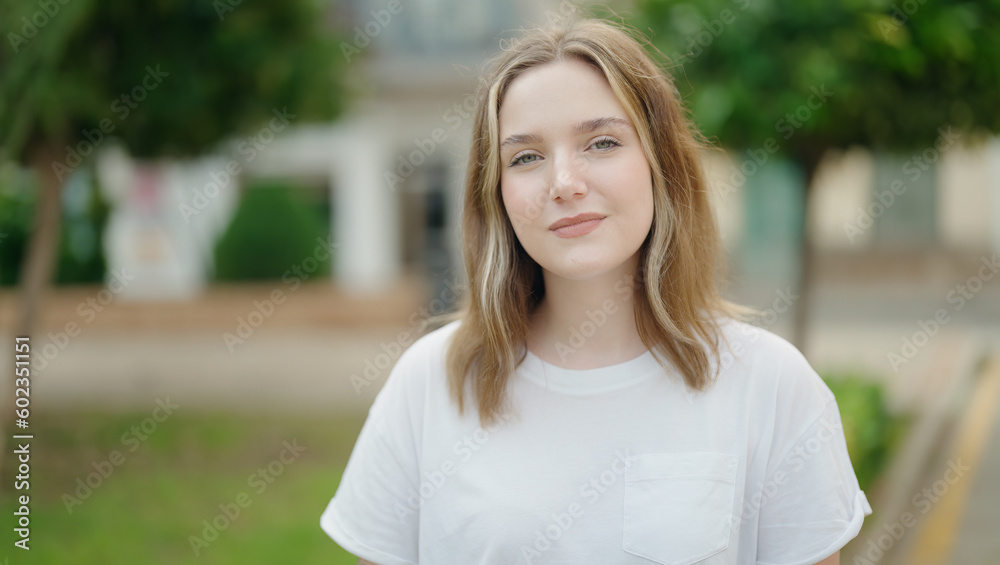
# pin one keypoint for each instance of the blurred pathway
(276, 370)
(979, 540)
(956, 507)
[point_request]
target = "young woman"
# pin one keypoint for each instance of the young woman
(596, 401)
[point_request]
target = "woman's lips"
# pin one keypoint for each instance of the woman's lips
(576, 230)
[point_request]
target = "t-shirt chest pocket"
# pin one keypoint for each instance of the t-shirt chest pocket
(679, 506)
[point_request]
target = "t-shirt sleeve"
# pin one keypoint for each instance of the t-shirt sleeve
(372, 515)
(811, 504)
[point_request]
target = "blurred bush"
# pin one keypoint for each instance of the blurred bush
(85, 212)
(872, 433)
(275, 229)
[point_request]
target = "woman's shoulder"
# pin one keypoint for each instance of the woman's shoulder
(751, 342)
(766, 359)
(418, 373)
(420, 355)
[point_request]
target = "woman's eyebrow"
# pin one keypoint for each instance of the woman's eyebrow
(598, 123)
(520, 138)
(582, 127)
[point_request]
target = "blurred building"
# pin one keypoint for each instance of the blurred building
(393, 167)
(393, 164)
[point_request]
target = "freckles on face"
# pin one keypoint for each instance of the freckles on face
(574, 179)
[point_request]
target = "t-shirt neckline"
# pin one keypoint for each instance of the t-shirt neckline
(589, 381)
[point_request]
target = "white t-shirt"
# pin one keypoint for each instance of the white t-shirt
(616, 465)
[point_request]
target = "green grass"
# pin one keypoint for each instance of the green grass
(145, 511)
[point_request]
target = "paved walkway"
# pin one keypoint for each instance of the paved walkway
(961, 496)
(978, 540)
(233, 348)
(274, 370)
(938, 502)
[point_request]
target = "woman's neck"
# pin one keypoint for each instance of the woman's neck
(585, 324)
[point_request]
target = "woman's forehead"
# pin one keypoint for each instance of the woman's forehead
(565, 94)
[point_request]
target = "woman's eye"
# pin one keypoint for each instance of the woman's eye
(605, 143)
(524, 159)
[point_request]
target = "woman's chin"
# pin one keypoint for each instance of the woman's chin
(580, 270)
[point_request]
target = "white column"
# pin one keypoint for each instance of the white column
(366, 228)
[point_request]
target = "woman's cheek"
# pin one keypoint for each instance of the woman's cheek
(531, 212)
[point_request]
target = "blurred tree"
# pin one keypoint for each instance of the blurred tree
(169, 78)
(80, 256)
(797, 78)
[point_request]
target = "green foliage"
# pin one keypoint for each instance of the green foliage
(17, 204)
(274, 229)
(81, 246)
(80, 258)
(219, 68)
(872, 433)
(898, 71)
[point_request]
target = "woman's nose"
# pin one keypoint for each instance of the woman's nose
(567, 179)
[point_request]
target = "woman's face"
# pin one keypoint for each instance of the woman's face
(574, 179)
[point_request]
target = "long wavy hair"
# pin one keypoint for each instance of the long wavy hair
(677, 302)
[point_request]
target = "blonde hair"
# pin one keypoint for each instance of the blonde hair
(676, 298)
